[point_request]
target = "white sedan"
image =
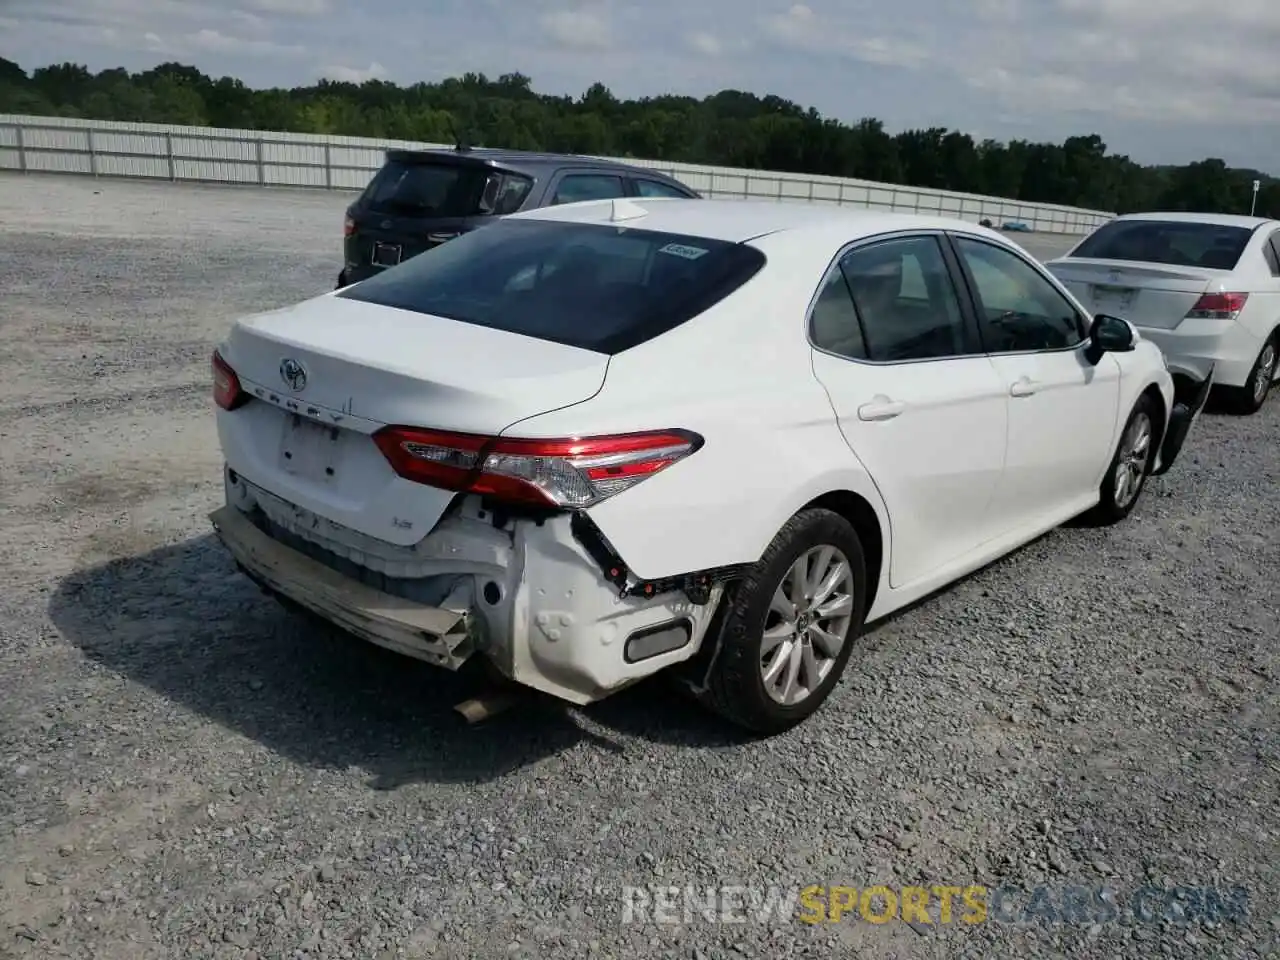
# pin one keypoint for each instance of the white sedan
(1204, 287)
(602, 440)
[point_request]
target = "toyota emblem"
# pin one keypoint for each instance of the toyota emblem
(293, 374)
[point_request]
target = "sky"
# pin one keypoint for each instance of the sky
(1164, 81)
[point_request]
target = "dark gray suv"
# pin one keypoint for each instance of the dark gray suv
(421, 198)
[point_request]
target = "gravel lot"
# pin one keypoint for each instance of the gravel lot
(186, 770)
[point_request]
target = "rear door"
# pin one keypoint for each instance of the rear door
(918, 403)
(1062, 409)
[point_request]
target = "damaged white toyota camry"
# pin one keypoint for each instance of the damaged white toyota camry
(592, 442)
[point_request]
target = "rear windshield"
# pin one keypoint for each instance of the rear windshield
(442, 189)
(1206, 245)
(597, 287)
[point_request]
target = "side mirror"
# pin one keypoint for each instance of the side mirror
(1108, 334)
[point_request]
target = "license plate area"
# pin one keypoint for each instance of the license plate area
(312, 451)
(386, 254)
(1108, 297)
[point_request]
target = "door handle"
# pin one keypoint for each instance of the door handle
(881, 408)
(1022, 387)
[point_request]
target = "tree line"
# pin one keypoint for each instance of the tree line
(730, 128)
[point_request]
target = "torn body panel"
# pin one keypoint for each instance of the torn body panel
(524, 593)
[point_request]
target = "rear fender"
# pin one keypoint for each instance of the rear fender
(722, 506)
(709, 518)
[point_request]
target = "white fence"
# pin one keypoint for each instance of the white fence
(206, 154)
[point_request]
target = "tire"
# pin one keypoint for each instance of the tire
(1121, 490)
(1249, 399)
(342, 280)
(736, 684)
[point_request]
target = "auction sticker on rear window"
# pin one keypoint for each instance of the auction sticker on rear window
(680, 250)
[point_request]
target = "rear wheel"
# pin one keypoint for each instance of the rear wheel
(1130, 466)
(791, 625)
(1250, 398)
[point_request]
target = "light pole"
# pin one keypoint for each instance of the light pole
(1253, 204)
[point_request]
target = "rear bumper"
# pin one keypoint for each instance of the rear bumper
(1199, 344)
(537, 606)
(438, 635)
(1187, 406)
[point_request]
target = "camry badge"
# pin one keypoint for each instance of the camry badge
(292, 373)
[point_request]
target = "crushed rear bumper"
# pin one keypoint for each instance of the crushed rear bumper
(1190, 398)
(529, 597)
(438, 635)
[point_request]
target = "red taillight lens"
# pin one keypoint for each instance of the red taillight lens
(550, 473)
(1218, 306)
(348, 227)
(226, 385)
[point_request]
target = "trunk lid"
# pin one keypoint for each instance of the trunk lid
(393, 366)
(364, 366)
(1146, 294)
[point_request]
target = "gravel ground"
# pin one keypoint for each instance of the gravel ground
(189, 771)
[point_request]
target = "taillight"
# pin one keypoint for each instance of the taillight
(348, 227)
(1218, 306)
(226, 385)
(550, 473)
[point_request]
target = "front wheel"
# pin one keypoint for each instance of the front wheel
(791, 625)
(1130, 466)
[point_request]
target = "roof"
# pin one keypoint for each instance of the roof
(1216, 219)
(520, 158)
(736, 221)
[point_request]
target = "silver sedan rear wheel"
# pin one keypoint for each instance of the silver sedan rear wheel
(790, 625)
(808, 624)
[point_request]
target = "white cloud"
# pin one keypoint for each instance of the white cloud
(584, 29)
(705, 43)
(300, 8)
(847, 36)
(215, 42)
(341, 74)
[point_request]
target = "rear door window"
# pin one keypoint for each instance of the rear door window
(1177, 243)
(576, 187)
(597, 287)
(510, 190)
(655, 188)
(906, 301)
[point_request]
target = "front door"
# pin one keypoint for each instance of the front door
(1062, 409)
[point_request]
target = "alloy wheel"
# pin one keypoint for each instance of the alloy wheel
(1131, 466)
(1266, 370)
(808, 624)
